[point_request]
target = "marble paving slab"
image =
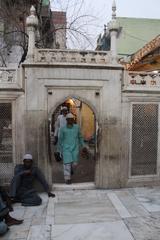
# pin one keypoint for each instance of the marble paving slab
(77, 195)
(123, 212)
(39, 232)
(85, 212)
(73, 186)
(134, 207)
(91, 231)
(144, 228)
(148, 197)
(51, 211)
(18, 231)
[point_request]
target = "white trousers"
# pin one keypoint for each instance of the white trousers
(67, 170)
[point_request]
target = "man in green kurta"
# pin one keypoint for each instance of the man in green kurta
(70, 141)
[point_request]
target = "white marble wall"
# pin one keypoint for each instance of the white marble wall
(82, 83)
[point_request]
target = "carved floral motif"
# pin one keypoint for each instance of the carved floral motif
(7, 75)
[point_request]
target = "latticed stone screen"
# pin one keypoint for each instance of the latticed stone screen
(144, 139)
(6, 158)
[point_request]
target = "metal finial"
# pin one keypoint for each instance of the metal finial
(114, 10)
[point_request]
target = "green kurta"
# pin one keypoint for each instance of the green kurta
(70, 140)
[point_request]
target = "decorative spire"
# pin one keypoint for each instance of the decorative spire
(32, 25)
(32, 10)
(114, 8)
(113, 27)
(32, 20)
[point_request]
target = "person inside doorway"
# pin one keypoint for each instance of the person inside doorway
(21, 188)
(5, 207)
(60, 122)
(70, 141)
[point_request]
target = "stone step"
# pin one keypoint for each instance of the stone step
(74, 186)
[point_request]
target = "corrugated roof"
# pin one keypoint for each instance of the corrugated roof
(136, 32)
(148, 48)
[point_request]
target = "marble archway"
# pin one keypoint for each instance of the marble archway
(87, 119)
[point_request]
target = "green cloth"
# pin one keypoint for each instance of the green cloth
(69, 142)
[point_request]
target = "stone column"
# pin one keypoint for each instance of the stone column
(32, 24)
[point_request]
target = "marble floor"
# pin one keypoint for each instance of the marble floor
(125, 214)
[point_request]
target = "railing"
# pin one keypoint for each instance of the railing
(10, 78)
(73, 57)
(141, 81)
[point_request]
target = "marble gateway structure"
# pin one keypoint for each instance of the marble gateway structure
(125, 105)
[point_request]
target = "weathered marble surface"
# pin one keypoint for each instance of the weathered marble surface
(124, 214)
(18, 232)
(31, 215)
(82, 195)
(39, 232)
(85, 212)
(144, 228)
(134, 207)
(92, 231)
(148, 197)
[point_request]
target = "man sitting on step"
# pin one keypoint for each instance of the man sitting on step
(21, 189)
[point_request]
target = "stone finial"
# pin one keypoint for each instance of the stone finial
(32, 25)
(113, 27)
(114, 8)
(32, 20)
(32, 10)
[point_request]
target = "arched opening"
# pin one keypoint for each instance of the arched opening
(85, 117)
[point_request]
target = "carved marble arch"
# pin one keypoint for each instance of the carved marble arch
(87, 119)
(84, 100)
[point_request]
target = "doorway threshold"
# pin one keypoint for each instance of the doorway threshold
(73, 186)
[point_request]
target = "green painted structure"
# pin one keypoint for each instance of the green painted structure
(46, 2)
(133, 34)
(136, 32)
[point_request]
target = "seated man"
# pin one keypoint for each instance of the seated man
(22, 183)
(5, 219)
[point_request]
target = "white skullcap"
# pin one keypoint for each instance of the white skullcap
(27, 156)
(69, 115)
(64, 108)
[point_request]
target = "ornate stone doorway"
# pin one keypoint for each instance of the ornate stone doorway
(86, 119)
